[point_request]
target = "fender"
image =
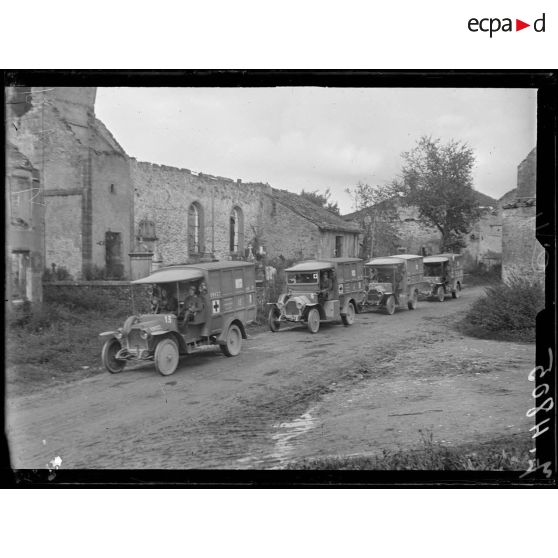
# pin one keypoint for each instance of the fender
(107, 334)
(182, 348)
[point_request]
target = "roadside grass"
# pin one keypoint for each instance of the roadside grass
(509, 453)
(57, 341)
(506, 312)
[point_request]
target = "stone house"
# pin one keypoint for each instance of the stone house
(24, 229)
(298, 229)
(522, 254)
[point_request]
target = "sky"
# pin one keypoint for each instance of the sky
(315, 138)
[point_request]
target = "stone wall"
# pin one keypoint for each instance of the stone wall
(163, 195)
(111, 206)
(527, 176)
(54, 150)
(522, 255)
(24, 229)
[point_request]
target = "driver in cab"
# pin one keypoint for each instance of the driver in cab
(326, 284)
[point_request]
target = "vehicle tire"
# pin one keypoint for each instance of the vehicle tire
(108, 356)
(233, 341)
(457, 292)
(273, 319)
(440, 294)
(349, 318)
(313, 320)
(412, 303)
(390, 305)
(166, 356)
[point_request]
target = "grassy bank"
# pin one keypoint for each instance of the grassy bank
(59, 340)
(509, 453)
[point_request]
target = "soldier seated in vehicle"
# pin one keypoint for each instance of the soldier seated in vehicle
(193, 305)
(326, 284)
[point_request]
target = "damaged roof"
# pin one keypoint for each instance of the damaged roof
(324, 219)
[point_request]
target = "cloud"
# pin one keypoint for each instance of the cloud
(322, 138)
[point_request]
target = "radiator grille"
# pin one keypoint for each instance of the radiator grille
(135, 342)
(291, 308)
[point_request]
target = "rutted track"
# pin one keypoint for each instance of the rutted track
(252, 410)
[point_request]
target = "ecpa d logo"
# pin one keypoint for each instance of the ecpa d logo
(492, 25)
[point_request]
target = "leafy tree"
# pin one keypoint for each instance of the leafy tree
(437, 178)
(321, 199)
(377, 216)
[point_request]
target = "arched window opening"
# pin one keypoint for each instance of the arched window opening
(236, 231)
(195, 229)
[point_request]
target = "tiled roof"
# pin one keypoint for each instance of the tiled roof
(324, 219)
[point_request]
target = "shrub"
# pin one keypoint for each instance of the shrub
(35, 318)
(57, 273)
(92, 272)
(507, 310)
(480, 274)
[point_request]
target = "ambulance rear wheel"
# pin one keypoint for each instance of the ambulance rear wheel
(457, 292)
(349, 318)
(412, 303)
(273, 319)
(233, 341)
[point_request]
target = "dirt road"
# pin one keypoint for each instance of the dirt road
(289, 395)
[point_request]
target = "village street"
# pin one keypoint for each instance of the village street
(288, 395)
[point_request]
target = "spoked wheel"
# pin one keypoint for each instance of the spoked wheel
(273, 319)
(313, 321)
(108, 356)
(412, 303)
(349, 318)
(233, 342)
(390, 305)
(440, 294)
(166, 357)
(457, 292)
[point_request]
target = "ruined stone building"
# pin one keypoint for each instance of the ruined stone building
(400, 229)
(24, 229)
(107, 210)
(185, 216)
(522, 254)
(85, 177)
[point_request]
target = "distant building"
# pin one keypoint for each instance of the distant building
(400, 229)
(522, 254)
(24, 230)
